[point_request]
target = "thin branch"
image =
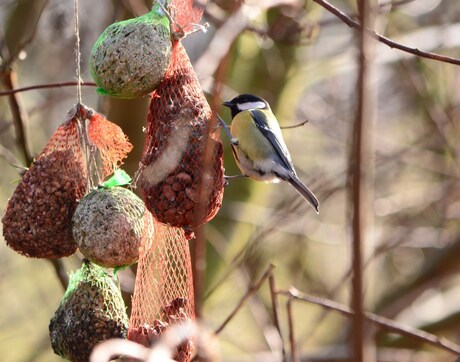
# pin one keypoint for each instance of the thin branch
(275, 305)
(44, 86)
(58, 266)
(20, 117)
(245, 297)
(359, 162)
(295, 125)
(392, 44)
(385, 323)
(294, 353)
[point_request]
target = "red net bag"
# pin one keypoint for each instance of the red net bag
(163, 293)
(37, 221)
(182, 175)
(186, 14)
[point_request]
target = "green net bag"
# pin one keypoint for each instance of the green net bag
(131, 57)
(109, 225)
(92, 310)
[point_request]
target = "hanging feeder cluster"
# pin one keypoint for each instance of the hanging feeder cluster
(61, 203)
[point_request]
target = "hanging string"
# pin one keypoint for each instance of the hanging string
(83, 113)
(77, 51)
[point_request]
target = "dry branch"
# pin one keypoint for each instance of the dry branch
(20, 117)
(392, 44)
(275, 306)
(44, 86)
(294, 352)
(245, 297)
(360, 174)
(385, 323)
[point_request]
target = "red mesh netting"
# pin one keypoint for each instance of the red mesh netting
(183, 176)
(37, 222)
(110, 141)
(185, 13)
(182, 179)
(163, 293)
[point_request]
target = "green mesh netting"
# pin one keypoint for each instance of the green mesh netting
(131, 57)
(92, 310)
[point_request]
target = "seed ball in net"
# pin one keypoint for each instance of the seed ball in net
(131, 57)
(37, 221)
(108, 226)
(91, 311)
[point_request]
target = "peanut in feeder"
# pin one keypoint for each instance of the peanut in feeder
(131, 57)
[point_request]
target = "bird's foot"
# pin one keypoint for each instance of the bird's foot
(224, 126)
(227, 178)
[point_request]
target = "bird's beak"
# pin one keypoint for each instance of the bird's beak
(227, 104)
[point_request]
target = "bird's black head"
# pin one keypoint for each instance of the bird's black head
(245, 102)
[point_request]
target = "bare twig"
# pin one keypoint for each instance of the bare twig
(58, 266)
(295, 125)
(294, 352)
(392, 44)
(289, 207)
(359, 162)
(44, 86)
(275, 305)
(198, 255)
(385, 323)
(245, 297)
(379, 8)
(20, 117)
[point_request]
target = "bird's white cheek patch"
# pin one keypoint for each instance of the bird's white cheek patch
(251, 105)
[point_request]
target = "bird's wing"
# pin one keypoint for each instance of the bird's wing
(260, 120)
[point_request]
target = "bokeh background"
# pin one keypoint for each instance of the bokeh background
(303, 60)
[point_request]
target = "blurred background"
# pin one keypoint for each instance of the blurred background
(303, 60)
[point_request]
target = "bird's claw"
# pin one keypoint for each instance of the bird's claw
(226, 178)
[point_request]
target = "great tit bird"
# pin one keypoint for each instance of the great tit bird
(258, 145)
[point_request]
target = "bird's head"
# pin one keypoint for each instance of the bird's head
(246, 102)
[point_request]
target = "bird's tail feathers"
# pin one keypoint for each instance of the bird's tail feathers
(305, 192)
